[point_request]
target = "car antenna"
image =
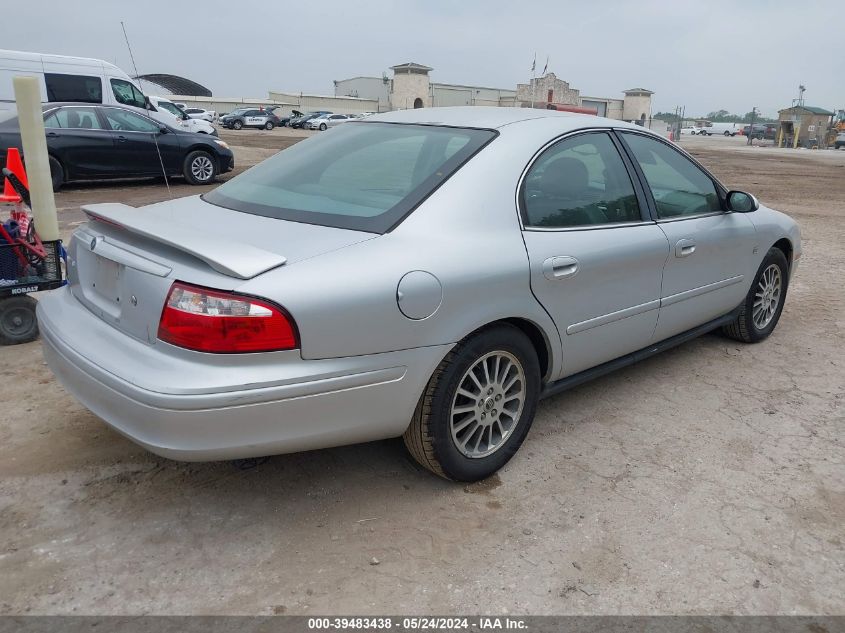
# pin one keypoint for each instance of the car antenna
(163, 170)
(155, 136)
(131, 56)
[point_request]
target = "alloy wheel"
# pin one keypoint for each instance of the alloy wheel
(487, 404)
(201, 168)
(767, 296)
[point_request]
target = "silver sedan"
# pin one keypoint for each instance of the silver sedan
(427, 273)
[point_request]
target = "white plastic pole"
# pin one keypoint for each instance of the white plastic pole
(30, 118)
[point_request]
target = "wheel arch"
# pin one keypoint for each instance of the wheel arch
(539, 340)
(786, 247)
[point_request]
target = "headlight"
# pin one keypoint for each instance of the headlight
(222, 144)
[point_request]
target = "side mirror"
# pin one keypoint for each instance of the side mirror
(163, 129)
(741, 202)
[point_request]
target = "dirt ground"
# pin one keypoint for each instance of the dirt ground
(709, 479)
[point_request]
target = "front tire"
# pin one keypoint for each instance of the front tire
(200, 168)
(237, 125)
(761, 310)
(478, 406)
(322, 127)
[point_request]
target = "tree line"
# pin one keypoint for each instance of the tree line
(719, 116)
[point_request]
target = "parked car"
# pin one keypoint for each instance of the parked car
(250, 117)
(167, 112)
(326, 121)
(424, 273)
(300, 122)
(199, 113)
(839, 143)
(689, 130)
(285, 120)
(761, 131)
(94, 142)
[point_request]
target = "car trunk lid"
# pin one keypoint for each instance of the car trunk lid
(123, 262)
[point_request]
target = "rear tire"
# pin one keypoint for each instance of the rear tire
(57, 173)
(17, 320)
(269, 125)
(469, 438)
(763, 305)
(200, 168)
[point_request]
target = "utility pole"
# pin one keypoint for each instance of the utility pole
(750, 140)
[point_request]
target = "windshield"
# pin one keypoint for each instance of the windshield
(361, 176)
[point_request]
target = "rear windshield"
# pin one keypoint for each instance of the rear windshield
(363, 176)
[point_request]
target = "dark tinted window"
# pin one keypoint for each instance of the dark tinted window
(73, 118)
(579, 181)
(364, 176)
(678, 185)
(73, 88)
(127, 94)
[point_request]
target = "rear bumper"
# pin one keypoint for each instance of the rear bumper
(302, 405)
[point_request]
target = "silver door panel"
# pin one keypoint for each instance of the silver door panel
(708, 272)
(601, 287)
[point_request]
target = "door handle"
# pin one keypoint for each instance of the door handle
(52, 135)
(560, 267)
(684, 248)
(121, 139)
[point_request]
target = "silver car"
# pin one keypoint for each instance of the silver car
(428, 273)
(328, 120)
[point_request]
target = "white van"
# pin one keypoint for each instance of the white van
(169, 113)
(725, 129)
(65, 78)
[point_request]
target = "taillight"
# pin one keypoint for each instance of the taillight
(222, 322)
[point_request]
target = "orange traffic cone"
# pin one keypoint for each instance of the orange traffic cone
(15, 165)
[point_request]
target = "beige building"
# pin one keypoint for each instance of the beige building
(411, 87)
(547, 89)
(803, 126)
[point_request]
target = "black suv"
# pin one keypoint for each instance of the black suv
(250, 117)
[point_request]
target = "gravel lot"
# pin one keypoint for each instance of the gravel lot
(706, 480)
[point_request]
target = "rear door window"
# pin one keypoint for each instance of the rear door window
(579, 181)
(73, 88)
(73, 118)
(366, 176)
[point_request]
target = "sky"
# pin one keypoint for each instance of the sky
(705, 56)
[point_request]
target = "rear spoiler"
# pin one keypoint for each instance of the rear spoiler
(232, 258)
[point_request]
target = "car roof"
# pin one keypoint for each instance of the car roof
(493, 117)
